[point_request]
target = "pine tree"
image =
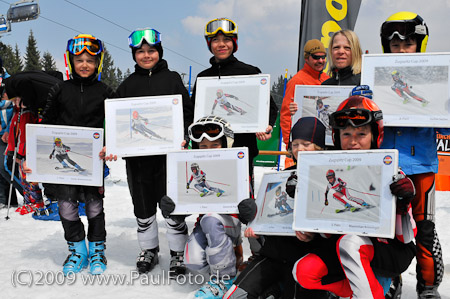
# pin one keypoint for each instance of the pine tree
(109, 71)
(48, 63)
(127, 74)
(277, 90)
(119, 76)
(17, 62)
(32, 55)
(7, 55)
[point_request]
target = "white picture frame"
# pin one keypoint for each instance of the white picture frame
(421, 76)
(144, 126)
(319, 101)
(245, 101)
(275, 208)
(367, 175)
(84, 145)
(225, 169)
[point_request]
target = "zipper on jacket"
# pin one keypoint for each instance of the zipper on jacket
(81, 87)
(218, 68)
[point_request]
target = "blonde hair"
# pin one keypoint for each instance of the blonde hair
(355, 47)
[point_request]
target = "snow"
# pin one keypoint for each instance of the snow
(32, 254)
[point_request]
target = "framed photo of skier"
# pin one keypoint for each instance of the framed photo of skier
(207, 181)
(275, 206)
(346, 192)
(143, 126)
(319, 101)
(242, 100)
(412, 90)
(64, 155)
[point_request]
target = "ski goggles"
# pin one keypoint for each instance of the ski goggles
(402, 29)
(354, 117)
(210, 131)
(77, 45)
(151, 36)
(227, 26)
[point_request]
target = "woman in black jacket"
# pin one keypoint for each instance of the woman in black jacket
(147, 174)
(346, 58)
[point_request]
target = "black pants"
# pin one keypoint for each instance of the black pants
(68, 196)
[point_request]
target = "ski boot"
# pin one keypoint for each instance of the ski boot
(214, 289)
(147, 260)
(79, 168)
(424, 103)
(78, 259)
(97, 259)
(427, 292)
(50, 212)
(219, 194)
(204, 193)
(177, 266)
(405, 100)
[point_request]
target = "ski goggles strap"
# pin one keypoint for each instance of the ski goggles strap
(227, 26)
(210, 131)
(92, 45)
(151, 36)
(354, 117)
(403, 29)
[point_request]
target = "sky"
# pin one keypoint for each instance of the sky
(268, 30)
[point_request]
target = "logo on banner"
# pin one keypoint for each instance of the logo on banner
(96, 135)
(241, 155)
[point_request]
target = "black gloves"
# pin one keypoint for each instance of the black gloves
(291, 184)
(403, 189)
(247, 210)
(167, 206)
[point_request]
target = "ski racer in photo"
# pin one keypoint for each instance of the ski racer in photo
(354, 266)
(215, 245)
(281, 201)
(222, 100)
(202, 185)
(139, 125)
(341, 194)
(402, 89)
(60, 152)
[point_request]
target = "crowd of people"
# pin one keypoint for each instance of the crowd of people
(308, 265)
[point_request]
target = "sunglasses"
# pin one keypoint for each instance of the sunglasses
(354, 117)
(317, 57)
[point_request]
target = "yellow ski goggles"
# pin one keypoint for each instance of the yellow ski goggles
(226, 26)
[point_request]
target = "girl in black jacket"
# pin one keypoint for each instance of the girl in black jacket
(147, 175)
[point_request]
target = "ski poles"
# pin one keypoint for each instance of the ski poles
(81, 154)
(13, 166)
(363, 192)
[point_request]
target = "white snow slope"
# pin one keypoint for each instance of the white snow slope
(32, 253)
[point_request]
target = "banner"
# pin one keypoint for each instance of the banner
(443, 175)
(321, 18)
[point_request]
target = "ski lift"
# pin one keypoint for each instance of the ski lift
(24, 10)
(5, 25)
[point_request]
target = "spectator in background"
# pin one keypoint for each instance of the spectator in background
(311, 74)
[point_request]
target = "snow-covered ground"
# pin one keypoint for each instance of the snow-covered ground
(32, 253)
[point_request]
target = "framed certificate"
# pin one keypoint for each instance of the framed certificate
(243, 101)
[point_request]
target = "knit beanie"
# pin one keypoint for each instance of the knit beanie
(309, 129)
(313, 46)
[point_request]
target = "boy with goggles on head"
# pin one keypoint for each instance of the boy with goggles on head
(80, 102)
(407, 32)
(147, 174)
(215, 242)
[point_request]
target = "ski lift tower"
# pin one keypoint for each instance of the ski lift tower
(5, 24)
(24, 10)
